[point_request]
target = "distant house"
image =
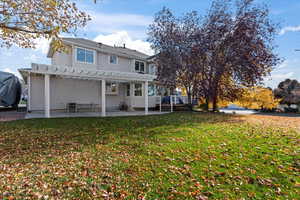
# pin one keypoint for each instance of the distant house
(92, 75)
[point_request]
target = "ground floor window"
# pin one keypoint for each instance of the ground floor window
(112, 88)
(138, 89)
(151, 90)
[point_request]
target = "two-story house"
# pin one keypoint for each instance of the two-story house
(91, 74)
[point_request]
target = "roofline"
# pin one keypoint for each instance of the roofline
(64, 38)
(78, 43)
(24, 72)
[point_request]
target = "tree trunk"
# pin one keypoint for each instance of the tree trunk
(215, 100)
(206, 104)
(190, 106)
(215, 94)
(215, 104)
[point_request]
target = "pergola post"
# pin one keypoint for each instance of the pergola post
(171, 102)
(131, 96)
(28, 93)
(146, 97)
(47, 95)
(103, 98)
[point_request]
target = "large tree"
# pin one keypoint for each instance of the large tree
(231, 48)
(289, 92)
(23, 21)
(240, 47)
(172, 38)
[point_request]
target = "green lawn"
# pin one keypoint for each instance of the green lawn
(173, 156)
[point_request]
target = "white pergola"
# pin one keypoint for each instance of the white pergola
(86, 74)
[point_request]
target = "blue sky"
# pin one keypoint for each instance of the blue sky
(126, 21)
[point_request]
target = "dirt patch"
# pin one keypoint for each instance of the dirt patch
(283, 121)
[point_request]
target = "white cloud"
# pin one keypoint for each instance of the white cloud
(31, 58)
(283, 65)
(290, 63)
(283, 76)
(276, 77)
(120, 19)
(289, 29)
(8, 70)
(122, 37)
(288, 69)
(110, 23)
(42, 45)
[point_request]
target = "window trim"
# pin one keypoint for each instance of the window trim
(117, 59)
(134, 89)
(139, 71)
(86, 49)
(128, 89)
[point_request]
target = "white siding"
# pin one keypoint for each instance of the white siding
(63, 91)
(139, 102)
(101, 61)
(37, 92)
(62, 58)
(123, 65)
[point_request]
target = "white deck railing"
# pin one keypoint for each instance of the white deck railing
(174, 100)
(158, 101)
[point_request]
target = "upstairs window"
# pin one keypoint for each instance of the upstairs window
(139, 66)
(84, 56)
(152, 69)
(113, 59)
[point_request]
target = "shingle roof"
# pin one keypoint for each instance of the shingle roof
(106, 48)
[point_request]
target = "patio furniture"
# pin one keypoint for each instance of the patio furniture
(71, 107)
(76, 107)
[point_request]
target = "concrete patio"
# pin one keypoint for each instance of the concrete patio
(90, 114)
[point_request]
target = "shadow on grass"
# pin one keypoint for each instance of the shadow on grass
(29, 139)
(292, 115)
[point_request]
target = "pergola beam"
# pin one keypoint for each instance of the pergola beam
(92, 73)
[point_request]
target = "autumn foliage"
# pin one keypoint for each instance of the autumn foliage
(23, 21)
(258, 98)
